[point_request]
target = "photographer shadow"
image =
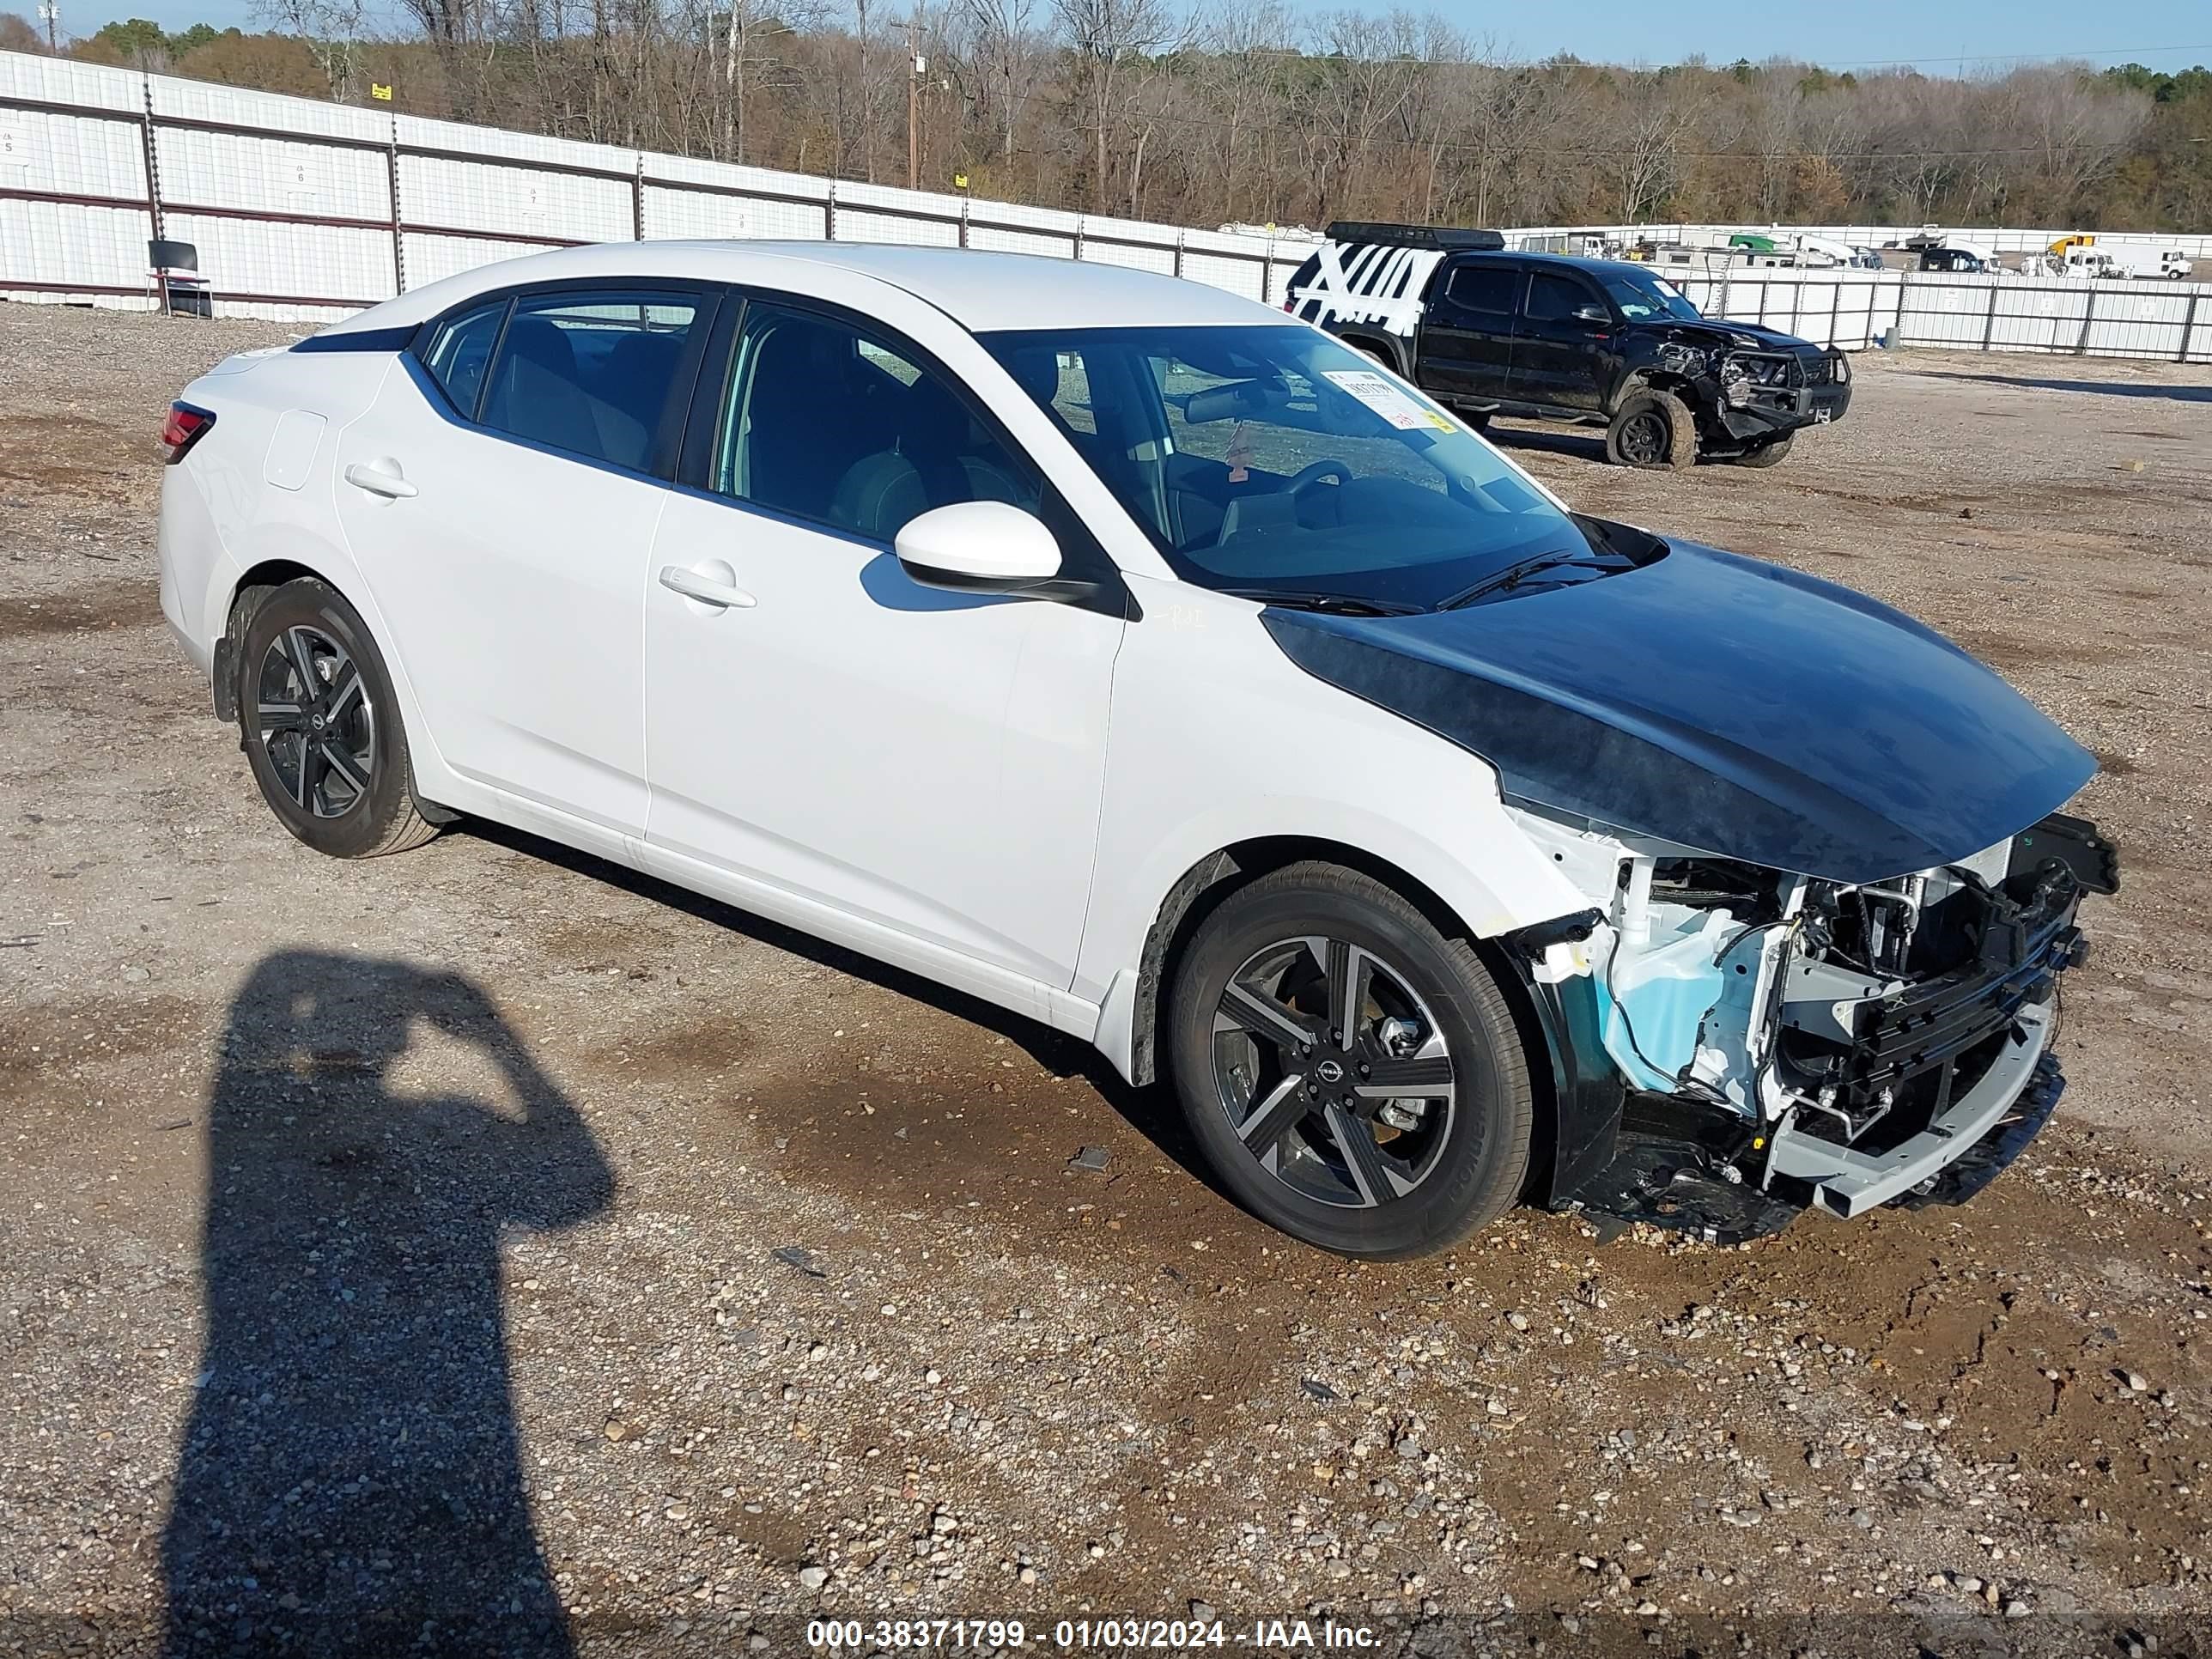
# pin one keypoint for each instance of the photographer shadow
(351, 1481)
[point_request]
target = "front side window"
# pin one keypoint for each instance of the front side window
(591, 373)
(1274, 460)
(461, 349)
(1643, 297)
(1554, 298)
(825, 422)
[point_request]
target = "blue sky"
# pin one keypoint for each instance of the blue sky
(2165, 34)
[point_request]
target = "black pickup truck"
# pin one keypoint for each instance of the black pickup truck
(1588, 341)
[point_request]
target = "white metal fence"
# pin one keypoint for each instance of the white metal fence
(302, 211)
(1855, 309)
(2003, 239)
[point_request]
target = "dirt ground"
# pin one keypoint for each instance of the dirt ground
(488, 1250)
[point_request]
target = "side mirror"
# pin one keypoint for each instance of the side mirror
(1597, 314)
(978, 547)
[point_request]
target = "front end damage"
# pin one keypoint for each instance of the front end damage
(1816, 954)
(1750, 390)
(1732, 1044)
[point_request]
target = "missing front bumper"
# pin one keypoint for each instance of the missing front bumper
(1847, 1182)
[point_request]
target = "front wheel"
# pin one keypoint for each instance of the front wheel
(1355, 1077)
(320, 725)
(1652, 429)
(1769, 453)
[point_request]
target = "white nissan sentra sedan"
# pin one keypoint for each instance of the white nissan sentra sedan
(1132, 656)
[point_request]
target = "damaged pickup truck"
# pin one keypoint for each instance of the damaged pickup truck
(1588, 341)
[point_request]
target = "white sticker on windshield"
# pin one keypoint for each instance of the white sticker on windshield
(1385, 399)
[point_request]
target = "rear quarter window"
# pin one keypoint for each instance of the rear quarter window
(460, 351)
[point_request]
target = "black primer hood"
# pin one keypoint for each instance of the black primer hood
(1716, 332)
(1731, 705)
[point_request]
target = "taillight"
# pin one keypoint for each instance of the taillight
(186, 427)
(1290, 305)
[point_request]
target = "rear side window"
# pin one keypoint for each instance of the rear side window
(460, 351)
(1490, 290)
(591, 373)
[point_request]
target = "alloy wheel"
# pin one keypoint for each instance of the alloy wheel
(1332, 1072)
(315, 721)
(1643, 439)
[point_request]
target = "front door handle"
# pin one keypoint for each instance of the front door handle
(715, 585)
(380, 481)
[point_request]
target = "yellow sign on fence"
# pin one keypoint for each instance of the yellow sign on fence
(379, 91)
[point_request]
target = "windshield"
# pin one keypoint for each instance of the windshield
(1642, 297)
(1275, 462)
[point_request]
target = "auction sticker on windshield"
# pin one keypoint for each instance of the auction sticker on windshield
(1385, 399)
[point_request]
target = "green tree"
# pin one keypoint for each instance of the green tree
(137, 39)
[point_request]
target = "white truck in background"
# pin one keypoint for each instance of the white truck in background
(2079, 256)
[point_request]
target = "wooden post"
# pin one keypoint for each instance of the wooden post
(1989, 321)
(637, 201)
(2188, 327)
(829, 214)
(2088, 313)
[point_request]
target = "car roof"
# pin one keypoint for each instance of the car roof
(984, 292)
(1572, 262)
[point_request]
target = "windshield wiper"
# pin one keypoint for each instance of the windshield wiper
(1513, 576)
(1342, 604)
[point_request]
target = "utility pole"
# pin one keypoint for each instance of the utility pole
(916, 65)
(50, 13)
(867, 102)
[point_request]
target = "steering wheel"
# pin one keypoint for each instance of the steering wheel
(1327, 467)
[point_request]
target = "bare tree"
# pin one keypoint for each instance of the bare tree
(1206, 111)
(1010, 55)
(331, 30)
(1104, 36)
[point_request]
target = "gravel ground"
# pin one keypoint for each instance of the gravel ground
(488, 1250)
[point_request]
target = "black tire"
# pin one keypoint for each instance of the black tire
(1456, 1169)
(1479, 419)
(323, 734)
(1652, 430)
(1769, 453)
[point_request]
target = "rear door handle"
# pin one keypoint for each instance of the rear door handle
(716, 586)
(378, 482)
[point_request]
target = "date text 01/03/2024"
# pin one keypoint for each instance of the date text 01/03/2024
(1168, 1635)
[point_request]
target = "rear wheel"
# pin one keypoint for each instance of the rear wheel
(320, 725)
(1652, 429)
(1355, 1076)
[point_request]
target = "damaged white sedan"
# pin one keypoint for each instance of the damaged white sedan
(1119, 652)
